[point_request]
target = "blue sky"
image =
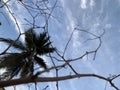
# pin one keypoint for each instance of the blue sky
(92, 15)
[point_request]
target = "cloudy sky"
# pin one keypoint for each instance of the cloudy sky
(92, 15)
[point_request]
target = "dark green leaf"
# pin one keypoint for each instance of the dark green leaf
(42, 51)
(29, 38)
(15, 44)
(27, 69)
(40, 62)
(12, 63)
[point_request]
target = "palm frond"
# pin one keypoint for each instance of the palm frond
(43, 51)
(40, 62)
(23, 62)
(12, 63)
(11, 72)
(43, 36)
(10, 60)
(27, 69)
(5, 76)
(16, 44)
(42, 44)
(42, 39)
(29, 38)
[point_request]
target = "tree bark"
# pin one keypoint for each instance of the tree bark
(45, 79)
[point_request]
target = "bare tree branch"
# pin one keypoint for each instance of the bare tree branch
(53, 79)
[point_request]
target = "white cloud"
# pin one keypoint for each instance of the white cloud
(70, 23)
(92, 3)
(2, 71)
(69, 19)
(14, 18)
(76, 42)
(17, 15)
(90, 66)
(83, 4)
(18, 87)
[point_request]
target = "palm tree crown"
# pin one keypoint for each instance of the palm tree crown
(23, 63)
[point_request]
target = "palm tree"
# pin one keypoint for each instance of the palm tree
(23, 63)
